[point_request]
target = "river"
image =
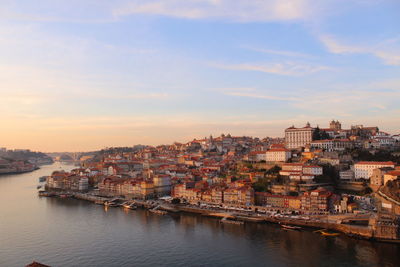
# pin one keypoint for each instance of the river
(67, 232)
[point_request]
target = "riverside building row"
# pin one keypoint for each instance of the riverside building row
(241, 171)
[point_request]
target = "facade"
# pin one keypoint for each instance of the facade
(335, 125)
(364, 169)
(256, 156)
(298, 137)
(346, 175)
(332, 145)
(391, 175)
(278, 155)
(134, 188)
(301, 172)
(162, 185)
(277, 201)
(316, 201)
(377, 177)
(62, 181)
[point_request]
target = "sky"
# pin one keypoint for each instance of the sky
(80, 75)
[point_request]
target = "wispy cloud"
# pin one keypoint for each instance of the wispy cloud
(286, 68)
(238, 10)
(388, 51)
(254, 93)
(278, 52)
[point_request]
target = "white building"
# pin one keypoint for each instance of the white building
(364, 169)
(385, 141)
(278, 154)
(298, 137)
(312, 170)
(256, 156)
(301, 172)
(346, 175)
(332, 145)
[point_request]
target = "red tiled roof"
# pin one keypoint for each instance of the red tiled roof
(394, 173)
(375, 163)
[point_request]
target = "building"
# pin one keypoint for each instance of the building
(377, 177)
(391, 175)
(333, 145)
(318, 200)
(242, 196)
(347, 175)
(298, 137)
(300, 171)
(335, 125)
(162, 185)
(278, 155)
(67, 181)
(277, 201)
(256, 156)
(364, 169)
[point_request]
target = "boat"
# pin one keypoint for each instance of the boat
(38, 187)
(110, 204)
(324, 233)
(229, 221)
(290, 227)
(160, 212)
(44, 194)
(132, 206)
(42, 179)
(128, 205)
(99, 202)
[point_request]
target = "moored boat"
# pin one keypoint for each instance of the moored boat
(229, 221)
(160, 212)
(325, 233)
(129, 205)
(110, 204)
(290, 227)
(99, 202)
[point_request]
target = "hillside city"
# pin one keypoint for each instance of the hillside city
(341, 176)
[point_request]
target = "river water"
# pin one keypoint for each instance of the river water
(66, 232)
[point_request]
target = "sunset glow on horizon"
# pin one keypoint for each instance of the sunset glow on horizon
(84, 75)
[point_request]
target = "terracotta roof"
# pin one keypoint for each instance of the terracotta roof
(394, 173)
(278, 150)
(375, 163)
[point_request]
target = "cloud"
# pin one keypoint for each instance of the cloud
(238, 10)
(286, 68)
(278, 52)
(253, 93)
(387, 51)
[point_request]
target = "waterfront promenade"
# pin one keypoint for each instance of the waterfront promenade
(335, 222)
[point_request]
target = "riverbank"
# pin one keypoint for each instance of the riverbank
(19, 171)
(365, 232)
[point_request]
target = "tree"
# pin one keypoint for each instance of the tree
(320, 135)
(316, 134)
(274, 170)
(261, 185)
